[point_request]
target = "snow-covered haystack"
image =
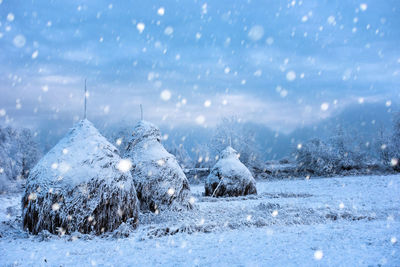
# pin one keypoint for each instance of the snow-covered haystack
(229, 177)
(80, 185)
(159, 180)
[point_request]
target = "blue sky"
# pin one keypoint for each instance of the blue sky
(283, 64)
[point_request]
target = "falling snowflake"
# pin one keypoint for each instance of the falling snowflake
(291, 76)
(32, 196)
(171, 191)
(119, 141)
(258, 73)
(299, 146)
(10, 17)
(165, 95)
(161, 11)
(204, 8)
(169, 30)
(324, 106)
(331, 20)
(394, 161)
(256, 32)
(35, 54)
(140, 27)
(200, 119)
(19, 40)
(124, 165)
(363, 6)
(318, 254)
(283, 93)
(55, 207)
(106, 109)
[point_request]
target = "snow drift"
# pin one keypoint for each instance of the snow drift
(159, 180)
(77, 186)
(229, 177)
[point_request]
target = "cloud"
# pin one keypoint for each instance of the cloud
(77, 41)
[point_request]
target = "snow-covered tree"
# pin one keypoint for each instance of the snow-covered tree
(29, 151)
(382, 146)
(338, 154)
(203, 157)
(394, 147)
(19, 152)
(388, 144)
(345, 151)
(316, 157)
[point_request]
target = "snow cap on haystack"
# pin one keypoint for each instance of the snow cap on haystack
(229, 177)
(159, 180)
(79, 185)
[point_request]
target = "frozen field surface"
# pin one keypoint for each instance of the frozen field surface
(344, 221)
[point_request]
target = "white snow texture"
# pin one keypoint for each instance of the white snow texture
(159, 180)
(77, 186)
(229, 177)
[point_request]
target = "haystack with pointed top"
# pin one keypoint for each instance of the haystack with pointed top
(159, 180)
(79, 185)
(229, 177)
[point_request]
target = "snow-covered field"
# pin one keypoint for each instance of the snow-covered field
(346, 221)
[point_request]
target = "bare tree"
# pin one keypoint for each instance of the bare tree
(19, 153)
(181, 154)
(394, 147)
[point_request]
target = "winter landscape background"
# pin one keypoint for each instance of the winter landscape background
(306, 92)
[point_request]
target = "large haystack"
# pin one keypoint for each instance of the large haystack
(229, 177)
(159, 180)
(80, 185)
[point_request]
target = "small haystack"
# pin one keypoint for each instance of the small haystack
(229, 177)
(80, 185)
(159, 180)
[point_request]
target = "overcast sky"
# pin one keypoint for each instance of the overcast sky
(280, 63)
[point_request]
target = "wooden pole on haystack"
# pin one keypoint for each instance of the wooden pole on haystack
(84, 114)
(141, 112)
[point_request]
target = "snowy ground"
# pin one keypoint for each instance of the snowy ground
(348, 221)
